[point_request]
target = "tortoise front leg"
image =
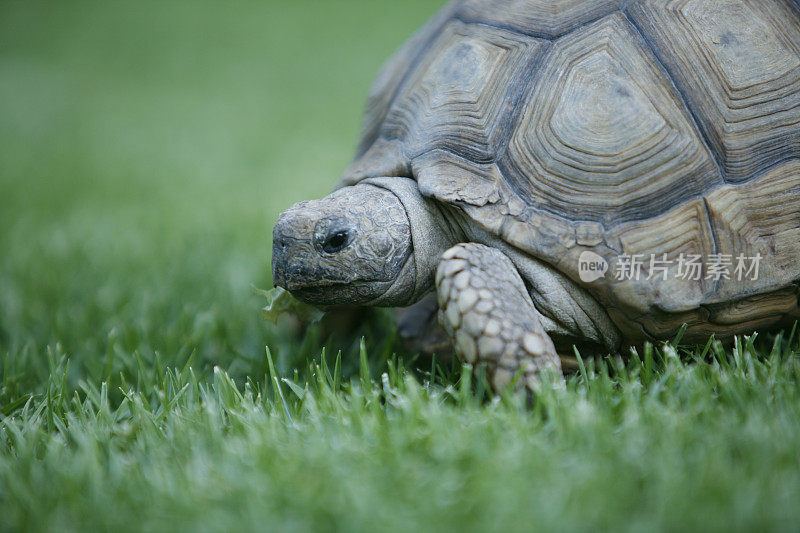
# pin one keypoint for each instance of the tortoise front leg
(487, 312)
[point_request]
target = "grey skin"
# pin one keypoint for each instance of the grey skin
(381, 243)
(350, 247)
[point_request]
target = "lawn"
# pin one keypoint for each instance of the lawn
(146, 148)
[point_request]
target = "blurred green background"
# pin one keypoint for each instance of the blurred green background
(146, 149)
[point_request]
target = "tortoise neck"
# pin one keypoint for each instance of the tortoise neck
(431, 235)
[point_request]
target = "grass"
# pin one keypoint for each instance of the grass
(145, 150)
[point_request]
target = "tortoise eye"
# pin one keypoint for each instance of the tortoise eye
(335, 241)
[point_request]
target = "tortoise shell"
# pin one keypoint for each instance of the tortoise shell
(651, 127)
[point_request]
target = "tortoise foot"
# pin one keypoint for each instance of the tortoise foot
(485, 309)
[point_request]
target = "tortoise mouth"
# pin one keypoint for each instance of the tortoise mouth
(297, 287)
(335, 293)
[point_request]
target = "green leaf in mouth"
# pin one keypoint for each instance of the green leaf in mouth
(280, 301)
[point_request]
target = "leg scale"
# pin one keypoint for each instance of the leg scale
(487, 312)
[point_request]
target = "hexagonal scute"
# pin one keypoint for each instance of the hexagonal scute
(547, 19)
(738, 64)
(461, 90)
(603, 135)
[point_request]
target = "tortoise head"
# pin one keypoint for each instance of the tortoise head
(352, 247)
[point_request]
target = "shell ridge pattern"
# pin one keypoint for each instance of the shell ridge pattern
(541, 19)
(713, 232)
(521, 86)
(543, 35)
(657, 55)
(603, 136)
(458, 95)
(738, 64)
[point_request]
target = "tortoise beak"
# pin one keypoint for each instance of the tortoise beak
(287, 272)
(284, 253)
(294, 264)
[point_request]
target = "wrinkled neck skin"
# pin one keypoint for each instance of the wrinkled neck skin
(431, 235)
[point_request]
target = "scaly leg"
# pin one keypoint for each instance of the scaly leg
(487, 312)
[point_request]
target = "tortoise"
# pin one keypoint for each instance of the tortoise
(570, 172)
